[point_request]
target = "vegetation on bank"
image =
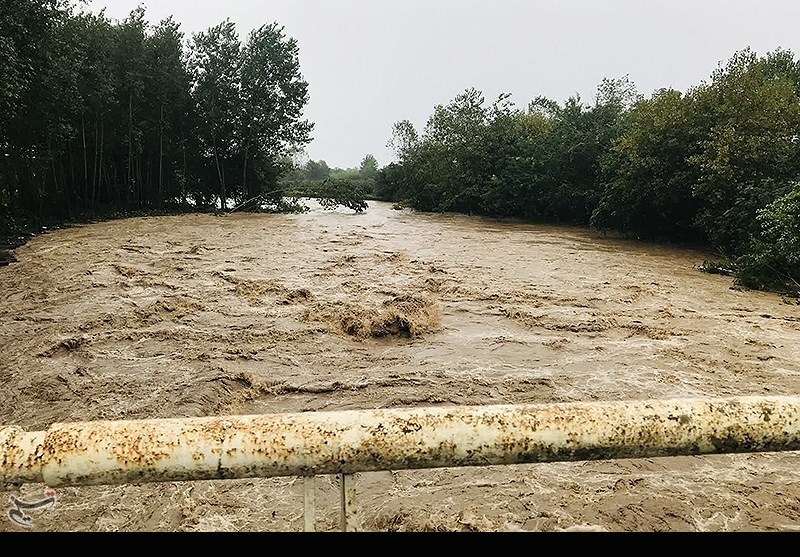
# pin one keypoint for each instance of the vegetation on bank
(719, 164)
(99, 118)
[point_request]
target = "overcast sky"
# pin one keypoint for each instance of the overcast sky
(370, 63)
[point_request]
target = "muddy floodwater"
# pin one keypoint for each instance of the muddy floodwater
(199, 315)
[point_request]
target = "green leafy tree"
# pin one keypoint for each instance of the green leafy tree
(131, 68)
(317, 170)
(773, 257)
(650, 190)
(751, 110)
(273, 94)
(515, 148)
(30, 125)
(168, 85)
(404, 141)
(104, 118)
(368, 169)
(215, 64)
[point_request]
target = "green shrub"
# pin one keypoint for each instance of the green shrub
(773, 258)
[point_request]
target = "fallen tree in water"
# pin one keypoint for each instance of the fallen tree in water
(345, 193)
(329, 193)
(333, 193)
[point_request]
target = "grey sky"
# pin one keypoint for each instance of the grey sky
(370, 63)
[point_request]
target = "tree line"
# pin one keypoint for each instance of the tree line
(99, 117)
(308, 175)
(719, 164)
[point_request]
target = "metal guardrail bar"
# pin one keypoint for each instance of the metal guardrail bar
(305, 444)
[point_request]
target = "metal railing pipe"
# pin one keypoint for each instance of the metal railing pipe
(304, 444)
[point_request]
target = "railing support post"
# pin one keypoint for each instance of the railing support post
(309, 503)
(350, 521)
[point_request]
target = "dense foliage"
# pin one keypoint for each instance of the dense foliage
(719, 164)
(100, 117)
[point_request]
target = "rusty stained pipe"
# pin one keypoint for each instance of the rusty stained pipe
(138, 451)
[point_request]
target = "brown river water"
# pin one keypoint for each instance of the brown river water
(199, 315)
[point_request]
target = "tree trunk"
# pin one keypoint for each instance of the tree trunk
(130, 145)
(139, 182)
(183, 174)
(66, 193)
(71, 162)
(102, 163)
(160, 157)
(147, 197)
(55, 177)
(117, 192)
(85, 165)
(93, 190)
(244, 174)
(220, 174)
